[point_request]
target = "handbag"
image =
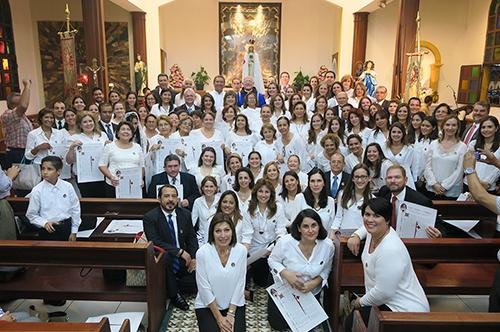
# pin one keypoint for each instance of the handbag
(135, 277)
(28, 177)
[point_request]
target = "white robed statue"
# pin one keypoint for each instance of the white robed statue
(251, 66)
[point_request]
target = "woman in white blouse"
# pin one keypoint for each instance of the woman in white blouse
(316, 197)
(266, 146)
(355, 193)
(233, 163)
(226, 122)
(244, 183)
(89, 134)
(241, 138)
(314, 135)
(165, 106)
(443, 170)
(488, 139)
(164, 132)
(397, 150)
(321, 105)
(428, 133)
(381, 132)
(289, 143)
(390, 281)
(291, 188)
(204, 208)
(303, 259)
(220, 278)
(355, 156)
(377, 164)
(357, 125)
(207, 166)
(118, 112)
(228, 204)
(42, 140)
(120, 154)
(207, 132)
(299, 123)
(293, 165)
(250, 107)
(263, 223)
(330, 145)
(255, 165)
(308, 97)
(278, 108)
(70, 126)
(272, 174)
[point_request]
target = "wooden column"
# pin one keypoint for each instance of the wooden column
(405, 43)
(359, 39)
(139, 28)
(95, 41)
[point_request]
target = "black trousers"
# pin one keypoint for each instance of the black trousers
(365, 314)
(181, 282)
(61, 233)
(207, 322)
(259, 272)
(494, 305)
(91, 189)
(109, 191)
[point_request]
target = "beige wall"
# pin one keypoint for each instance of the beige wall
(381, 40)
(310, 34)
(26, 14)
(456, 27)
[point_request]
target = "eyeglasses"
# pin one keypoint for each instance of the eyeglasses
(360, 177)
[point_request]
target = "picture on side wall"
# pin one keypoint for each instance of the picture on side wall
(249, 40)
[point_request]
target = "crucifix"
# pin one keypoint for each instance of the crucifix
(94, 69)
(414, 63)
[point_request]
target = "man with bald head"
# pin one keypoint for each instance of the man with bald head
(342, 98)
(380, 95)
(249, 86)
(189, 99)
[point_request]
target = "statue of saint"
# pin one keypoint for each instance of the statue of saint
(251, 66)
(141, 76)
(369, 78)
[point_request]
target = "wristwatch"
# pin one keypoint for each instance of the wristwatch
(469, 171)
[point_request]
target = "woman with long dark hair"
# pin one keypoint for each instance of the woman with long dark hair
(377, 164)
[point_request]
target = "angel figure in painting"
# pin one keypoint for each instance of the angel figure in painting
(251, 66)
(369, 78)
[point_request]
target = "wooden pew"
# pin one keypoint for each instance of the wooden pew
(102, 326)
(387, 321)
(55, 270)
(443, 266)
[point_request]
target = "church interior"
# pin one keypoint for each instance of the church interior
(444, 50)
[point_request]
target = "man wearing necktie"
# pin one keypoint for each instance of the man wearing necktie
(189, 99)
(480, 111)
(105, 114)
(170, 227)
(59, 108)
(336, 178)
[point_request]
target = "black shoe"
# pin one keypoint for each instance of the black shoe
(180, 302)
(56, 303)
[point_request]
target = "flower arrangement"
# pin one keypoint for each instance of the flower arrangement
(176, 76)
(322, 72)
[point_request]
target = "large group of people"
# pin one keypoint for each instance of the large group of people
(278, 175)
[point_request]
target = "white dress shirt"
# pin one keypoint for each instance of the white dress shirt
(390, 278)
(158, 110)
(291, 208)
(219, 99)
(420, 149)
(116, 158)
(350, 217)
(260, 229)
(49, 202)
(37, 137)
(217, 172)
(309, 103)
(287, 255)
(350, 162)
(172, 215)
(268, 152)
(445, 167)
(322, 162)
(179, 100)
(377, 137)
(364, 134)
(233, 140)
(295, 146)
(223, 284)
(202, 214)
(327, 213)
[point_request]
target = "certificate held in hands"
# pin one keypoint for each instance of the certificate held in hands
(87, 163)
(129, 183)
(413, 219)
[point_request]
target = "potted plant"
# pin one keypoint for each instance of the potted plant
(299, 80)
(200, 78)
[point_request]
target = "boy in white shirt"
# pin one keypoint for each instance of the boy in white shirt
(54, 206)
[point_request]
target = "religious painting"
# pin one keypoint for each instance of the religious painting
(249, 40)
(117, 48)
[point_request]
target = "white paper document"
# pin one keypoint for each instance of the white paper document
(60, 150)
(167, 147)
(243, 149)
(199, 146)
(87, 163)
(129, 185)
(301, 311)
(465, 225)
(413, 219)
(86, 234)
(124, 226)
(116, 320)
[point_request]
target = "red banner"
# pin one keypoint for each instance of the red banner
(68, 56)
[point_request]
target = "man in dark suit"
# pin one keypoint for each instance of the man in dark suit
(396, 191)
(342, 99)
(480, 111)
(105, 115)
(336, 178)
(59, 108)
(173, 176)
(249, 86)
(170, 227)
(380, 95)
(189, 99)
(162, 85)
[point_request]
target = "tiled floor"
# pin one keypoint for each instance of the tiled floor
(79, 311)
